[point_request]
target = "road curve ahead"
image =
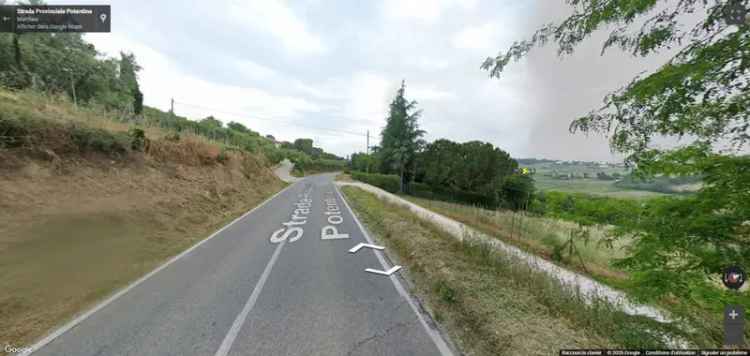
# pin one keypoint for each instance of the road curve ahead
(277, 281)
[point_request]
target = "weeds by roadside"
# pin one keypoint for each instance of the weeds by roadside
(492, 303)
(546, 237)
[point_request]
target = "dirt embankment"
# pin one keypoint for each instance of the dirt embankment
(85, 211)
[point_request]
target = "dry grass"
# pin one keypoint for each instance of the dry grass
(540, 236)
(58, 108)
(74, 227)
(344, 177)
(190, 150)
(491, 304)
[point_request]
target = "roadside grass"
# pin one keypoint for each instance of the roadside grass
(34, 112)
(344, 177)
(491, 303)
(83, 212)
(544, 237)
(541, 236)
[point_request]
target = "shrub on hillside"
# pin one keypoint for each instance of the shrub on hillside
(13, 131)
(137, 139)
(29, 131)
(99, 140)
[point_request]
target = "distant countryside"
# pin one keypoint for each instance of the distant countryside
(603, 178)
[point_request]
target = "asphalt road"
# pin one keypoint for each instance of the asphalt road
(259, 287)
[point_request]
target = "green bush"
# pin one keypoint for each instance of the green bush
(390, 183)
(99, 140)
(387, 182)
(38, 133)
(324, 165)
(137, 139)
(13, 131)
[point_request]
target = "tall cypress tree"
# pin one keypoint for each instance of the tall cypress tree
(129, 69)
(401, 139)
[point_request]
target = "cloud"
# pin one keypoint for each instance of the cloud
(424, 11)
(197, 98)
(431, 64)
(254, 71)
(422, 94)
(370, 94)
(483, 37)
(327, 69)
(277, 19)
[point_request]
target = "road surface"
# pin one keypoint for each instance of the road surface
(284, 171)
(277, 281)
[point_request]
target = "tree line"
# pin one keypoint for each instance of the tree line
(472, 172)
(65, 63)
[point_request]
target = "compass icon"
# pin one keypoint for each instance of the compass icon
(734, 277)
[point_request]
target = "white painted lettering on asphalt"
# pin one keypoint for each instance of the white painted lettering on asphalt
(292, 230)
(333, 216)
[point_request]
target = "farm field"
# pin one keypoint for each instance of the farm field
(582, 177)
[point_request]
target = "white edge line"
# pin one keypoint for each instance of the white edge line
(440, 343)
(226, 344)
(70, 325)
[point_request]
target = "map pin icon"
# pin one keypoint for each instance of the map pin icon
(103, 17)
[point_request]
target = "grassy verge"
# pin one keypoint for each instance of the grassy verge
(545, 237)
(344, 177)
(541, 236)
(491, 303)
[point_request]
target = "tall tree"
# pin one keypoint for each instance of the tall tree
(702, 95)
(304, 145)
(129, 69)
(401, 139)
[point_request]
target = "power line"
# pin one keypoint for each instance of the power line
(275, 120)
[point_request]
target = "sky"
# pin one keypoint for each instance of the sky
(327, 70)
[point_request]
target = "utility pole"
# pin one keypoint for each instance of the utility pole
(171, 107)
(368, 152)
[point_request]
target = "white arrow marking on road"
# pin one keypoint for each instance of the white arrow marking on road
(385, 273)
(362, 244)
